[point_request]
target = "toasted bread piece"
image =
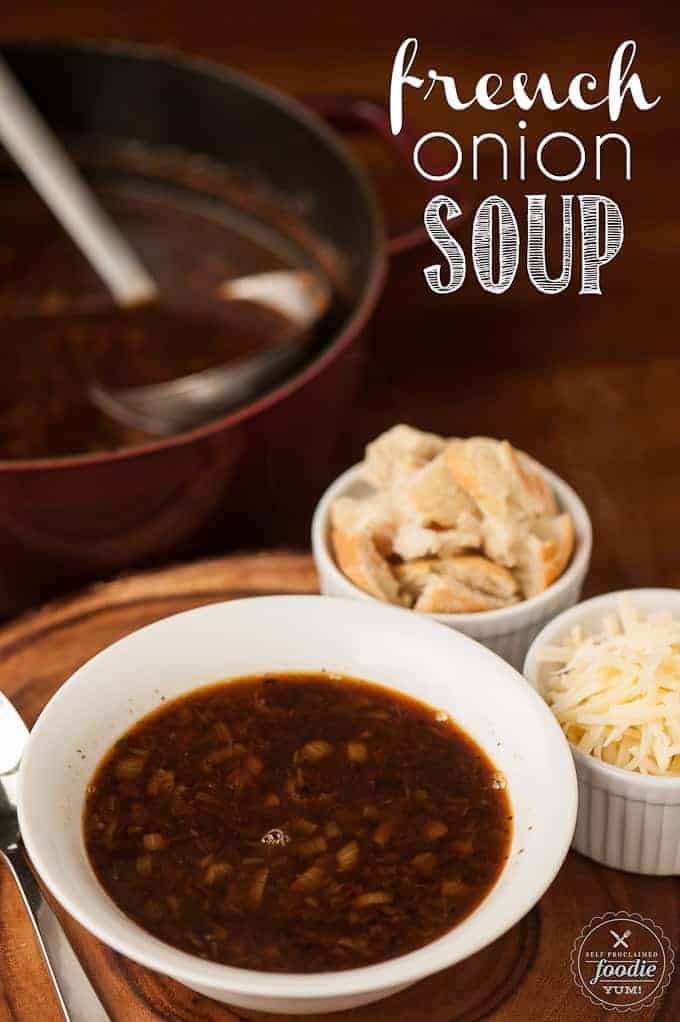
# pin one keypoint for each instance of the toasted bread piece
(509, 488)
(529, 489)
(413, 576)
(447, 596)
(478, 467)
(499, 478)
(358, 557)
(501, 536)
(482, 575)
(465, 537)
(431, 496)
(477, 574)
(372, 515)
(412, 540)
(395, 455)
(545, 553)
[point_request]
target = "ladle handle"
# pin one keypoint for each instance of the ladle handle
(40, 155)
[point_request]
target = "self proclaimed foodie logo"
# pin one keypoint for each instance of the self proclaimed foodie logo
(622, 962)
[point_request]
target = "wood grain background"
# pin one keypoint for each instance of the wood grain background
(523, 977)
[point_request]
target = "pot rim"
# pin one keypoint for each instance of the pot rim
(363, 307)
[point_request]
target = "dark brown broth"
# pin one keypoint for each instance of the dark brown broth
(59, 328)
(297, 823)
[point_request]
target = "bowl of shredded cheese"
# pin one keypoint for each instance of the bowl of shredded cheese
(609, 668)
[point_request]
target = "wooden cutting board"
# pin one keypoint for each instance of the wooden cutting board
(523, 977)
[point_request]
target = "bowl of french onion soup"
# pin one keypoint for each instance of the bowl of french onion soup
(297, 804)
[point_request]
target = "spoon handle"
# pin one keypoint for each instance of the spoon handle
(44, 161)
(34, 902)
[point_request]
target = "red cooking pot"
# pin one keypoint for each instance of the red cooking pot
(253, 475)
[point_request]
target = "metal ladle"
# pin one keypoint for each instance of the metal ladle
(165, 408)
(300, 295)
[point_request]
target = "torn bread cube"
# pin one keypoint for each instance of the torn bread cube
(466, 536)
(414, 575)
(501, 480)
(481, 470)
(545, 553)
(394, 455)
(507, 486)
(529, 488)
(501, 538)
(412, 540)
(432, 497)
(371, 514)
(363, 564)
(481, 576)
(446, 596)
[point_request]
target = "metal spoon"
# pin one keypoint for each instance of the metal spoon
(13, 737)
(162, 408)
(49, 168)
(191, 400)
(165, 408)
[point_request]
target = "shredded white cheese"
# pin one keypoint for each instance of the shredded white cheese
(617, 693)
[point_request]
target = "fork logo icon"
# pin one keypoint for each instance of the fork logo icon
(620, 940)
(622, 962)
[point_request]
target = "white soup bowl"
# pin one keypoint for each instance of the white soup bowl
(385, 645)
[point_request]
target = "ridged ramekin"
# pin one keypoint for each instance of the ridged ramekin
(509, 631)
(625, 820)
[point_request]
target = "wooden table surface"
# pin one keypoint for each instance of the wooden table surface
(522, 977)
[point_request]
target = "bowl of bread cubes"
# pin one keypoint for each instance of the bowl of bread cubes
(471, 531)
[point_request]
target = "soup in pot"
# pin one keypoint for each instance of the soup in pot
(61, 331)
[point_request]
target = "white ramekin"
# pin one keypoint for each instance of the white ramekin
(508, 632)
(386, 645)
(625, 820)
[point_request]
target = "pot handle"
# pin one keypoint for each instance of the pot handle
(358, 113)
